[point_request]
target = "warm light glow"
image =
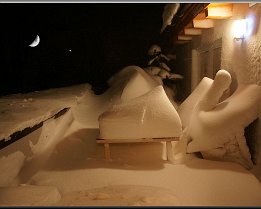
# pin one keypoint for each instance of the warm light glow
(192, 31)
(251, 24)
(201, 16)
(205, 23)
(219, 11)
(184, 38)
(240, 29)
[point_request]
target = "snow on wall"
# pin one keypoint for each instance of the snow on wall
(241, 58)
(214, 124)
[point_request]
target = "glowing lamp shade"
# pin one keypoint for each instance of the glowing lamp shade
(240, 29)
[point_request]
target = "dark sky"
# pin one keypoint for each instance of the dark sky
(83, 42)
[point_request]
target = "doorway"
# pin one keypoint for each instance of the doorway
(206, 61)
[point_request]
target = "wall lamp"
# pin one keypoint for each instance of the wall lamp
(240, 29)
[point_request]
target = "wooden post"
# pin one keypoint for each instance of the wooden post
(168, 140)
(170, 154)
(107, 152)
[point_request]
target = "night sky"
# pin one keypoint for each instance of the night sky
(79, 43)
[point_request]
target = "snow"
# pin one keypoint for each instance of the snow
(220, 125)
(137, 84)
(20, 111)
(128, 83)
(186, 107)
(149, 116)
(122, 195)
(63, 161)
(11, 164)
(143, 110)
(29, 195)
(169, 11)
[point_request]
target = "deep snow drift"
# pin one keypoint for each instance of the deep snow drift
(149, 116)
(216, 128)
(20, 111)
(61, 164)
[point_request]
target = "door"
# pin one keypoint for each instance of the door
(206, 61)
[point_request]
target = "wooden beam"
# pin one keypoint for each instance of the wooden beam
(204, 23)
(184, 38)
(219, 11)
(105, 141)
(168, 140)
(189, 25)
(201, 16)
(192, 31)
(186, 13)
(178, 42)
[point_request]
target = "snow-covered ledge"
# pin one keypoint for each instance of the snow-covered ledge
(21, 114)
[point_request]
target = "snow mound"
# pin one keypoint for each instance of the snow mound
(220, 125)
(52, 133)
(151, 115)
(27, 195)
(131, 82)
(186, 108)
(139, 84)
(10, 167)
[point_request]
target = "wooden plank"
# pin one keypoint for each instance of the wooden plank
(107, 152)
(201, 16)
(219, 10)
(170, 154)
(189, 25)
(185, 14)
(181, 42)
(192, 31)
(184, 38)
(103, 141)
(206, 23)
(168, 141)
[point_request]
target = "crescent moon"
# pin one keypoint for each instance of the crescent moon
(35, 42)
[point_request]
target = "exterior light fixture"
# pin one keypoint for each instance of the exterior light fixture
(240, 29)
